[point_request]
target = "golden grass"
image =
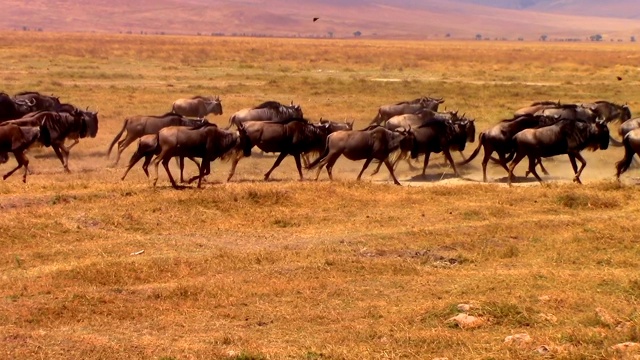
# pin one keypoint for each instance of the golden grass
(312, 270)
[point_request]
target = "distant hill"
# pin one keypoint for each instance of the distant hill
(510, 19)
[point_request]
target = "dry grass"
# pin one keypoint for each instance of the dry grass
(312, 270)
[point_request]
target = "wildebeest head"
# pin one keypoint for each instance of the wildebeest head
(24, 106)
(626, 113)
(297, 110)
(601, 133)
(91, 121)
(214, 105)
(470, 129)
(461, 133)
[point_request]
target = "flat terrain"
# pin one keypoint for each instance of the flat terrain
(314, 270)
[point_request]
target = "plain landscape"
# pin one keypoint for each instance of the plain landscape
(315, 269)
(577, 20)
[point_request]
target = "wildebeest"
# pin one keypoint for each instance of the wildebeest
(499, 139)
(567, 136)
(535, 107)
(295, 137)
(376, 143)
(205, 141)
(267, 111)
(60, 126)
(631, 143)
(609, 111)
(137, 126)
(16, 139)
(442, 135)
(386, 112)
(41, 102)
(11, 109)
(198, 106)
(408, 121)
(332, 127)
(572, 112)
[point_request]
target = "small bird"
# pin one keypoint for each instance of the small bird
(619, 78)
(315, 19)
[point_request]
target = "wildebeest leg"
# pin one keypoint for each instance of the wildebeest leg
(572, 160)
(485, 160)
(426, 163)
(305, 160)
(584, 164)
(206, 169)
(22, 161)
(519, 156)
(366, 164)
(75, 142)
(332, 158)
(134, 160)
(56, 149)
(299, 165)
(180, 163)
(377, 169)
(503, 162)
(544, 171)
(388, 164)
(65, 156)
(532, 167)
(277, 163)
(234, 163)
(165, 164)
(122, 144)
(447, 155)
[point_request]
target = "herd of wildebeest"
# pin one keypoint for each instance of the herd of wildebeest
(399, 131)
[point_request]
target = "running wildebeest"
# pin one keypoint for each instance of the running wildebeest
(408, 121)
(16, 139)
(567, 136)
(631, 143)
(442, 135)
(386, 112)
(197, 106)
(11, 109)
(61, 126)
(41, 102)
(376, 143)
(205, 141)
(267, 111)
(295, 137)
(609, 112)
(137, 126)
(147, 148)
(499, 139)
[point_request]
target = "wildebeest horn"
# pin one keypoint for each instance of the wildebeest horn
(32, 102)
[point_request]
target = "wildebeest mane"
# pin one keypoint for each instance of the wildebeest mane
(29, 93)
(165, 115)
(269, 105)
(202, 124)
(196, 97)
(414, 101)
(546, 102)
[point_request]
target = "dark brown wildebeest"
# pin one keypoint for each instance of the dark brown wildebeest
(206, 141)
(295, 137)
(267, 111)
(198, 106)
(610, 112)
(137, 126)
(631, 143)
(625, 128)
(567, 136)
(409, 121)
(59, 127)
(572, 112)
(442, 135)
(386, 112)
(11, 109)
(535, 107)
(499, 139)
(16, 139)
(375, 143)
(42, 102)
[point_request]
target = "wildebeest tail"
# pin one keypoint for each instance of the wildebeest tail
(475, 152)
(315, 163)
(232, 120)
(118, 136)
(629, 152)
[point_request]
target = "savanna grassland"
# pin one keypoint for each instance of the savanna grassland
(314, 270)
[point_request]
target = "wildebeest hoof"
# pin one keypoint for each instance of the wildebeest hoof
(577, 180)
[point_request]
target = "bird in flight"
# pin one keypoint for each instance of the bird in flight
(315, 19)
(619, 78)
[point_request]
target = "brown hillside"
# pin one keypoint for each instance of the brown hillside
(429, 19)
